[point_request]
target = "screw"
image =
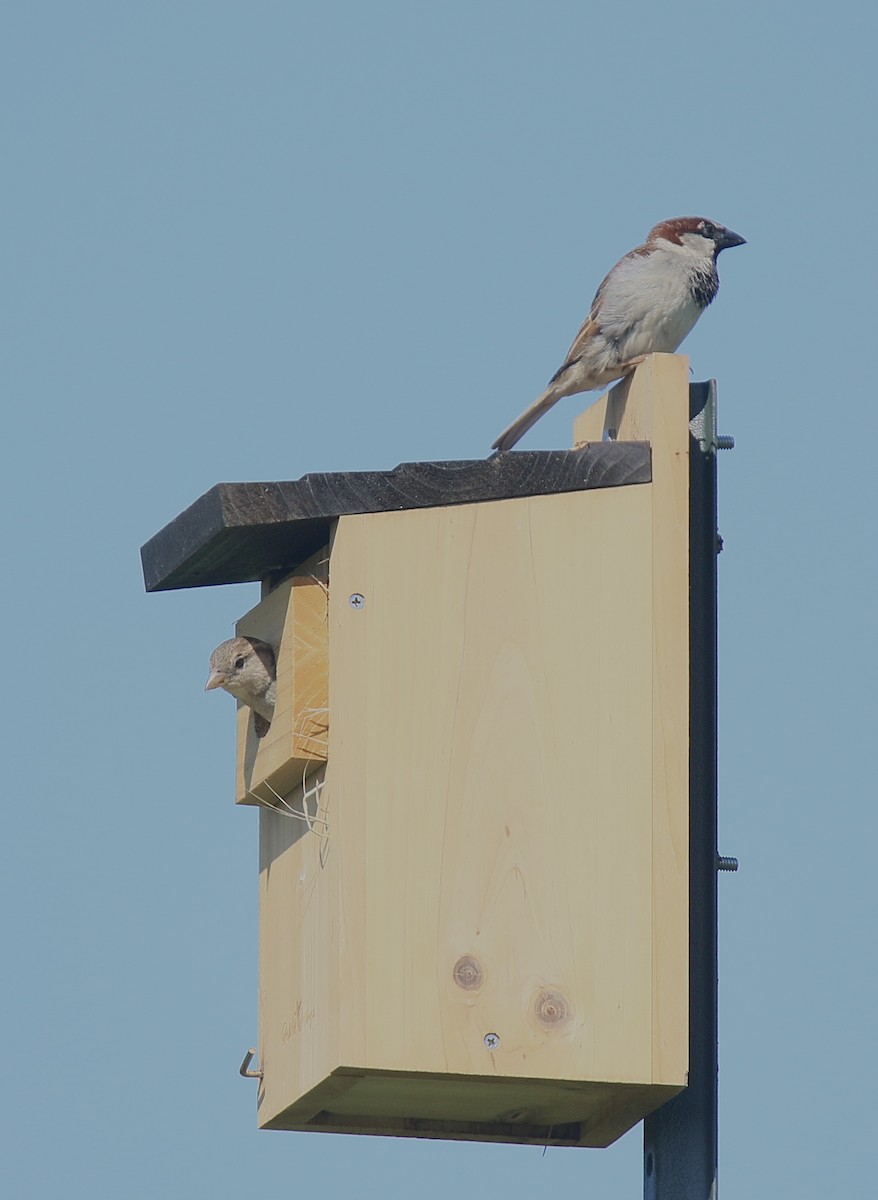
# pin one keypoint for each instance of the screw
(492, 1040)
(357, 600)
(719, 542)
(725, 441)
(725, 862)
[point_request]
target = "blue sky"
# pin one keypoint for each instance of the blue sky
(247, 241)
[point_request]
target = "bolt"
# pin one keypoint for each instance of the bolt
(725, 441)
(719, 542)
(357, 600)
(725, 863)
(492, 1040)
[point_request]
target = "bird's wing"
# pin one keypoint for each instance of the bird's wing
(588, 329)
(591, 325)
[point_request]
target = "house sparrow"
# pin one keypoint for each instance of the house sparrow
(646, 305)
(246, 668)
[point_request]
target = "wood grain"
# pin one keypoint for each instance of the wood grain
(294, 619)
(653, 403)
(238, 532)
(298, 955)
(506, 798)
(507, 648)
(493, 836)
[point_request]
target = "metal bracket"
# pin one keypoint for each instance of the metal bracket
(702, 423)
(244, 1071)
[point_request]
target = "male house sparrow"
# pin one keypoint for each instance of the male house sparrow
(246, 668)
(646, 305)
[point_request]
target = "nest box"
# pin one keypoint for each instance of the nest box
(473, 797)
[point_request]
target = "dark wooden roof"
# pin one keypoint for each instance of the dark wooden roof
(238, 532)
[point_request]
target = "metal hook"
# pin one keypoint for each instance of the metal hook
(243, 1069)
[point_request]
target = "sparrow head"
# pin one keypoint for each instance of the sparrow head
(695, 234)
(245, 667)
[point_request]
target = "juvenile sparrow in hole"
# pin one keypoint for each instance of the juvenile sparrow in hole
(246, 668)
(646, 305)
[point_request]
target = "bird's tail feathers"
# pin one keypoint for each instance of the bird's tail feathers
(519, 427)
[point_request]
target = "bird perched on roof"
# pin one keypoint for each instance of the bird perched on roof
(246, 668)
(647, 304)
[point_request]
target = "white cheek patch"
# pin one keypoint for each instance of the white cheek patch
(694, 243)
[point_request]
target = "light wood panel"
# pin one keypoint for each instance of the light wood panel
(507, 806)
(294, 619)
(653, 405)
(500, 674)
(299, 1005)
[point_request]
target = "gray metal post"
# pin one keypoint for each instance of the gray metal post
(680, 1140)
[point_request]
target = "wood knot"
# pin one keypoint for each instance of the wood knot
(551, 1009)
(468, 973)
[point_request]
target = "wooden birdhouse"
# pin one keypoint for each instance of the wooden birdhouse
(473, 797)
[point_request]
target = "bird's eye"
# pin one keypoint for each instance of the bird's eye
(708, 229)
(239, 664)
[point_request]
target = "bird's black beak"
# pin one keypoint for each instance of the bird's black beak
(729, 238)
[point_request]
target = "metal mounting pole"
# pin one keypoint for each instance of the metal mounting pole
(680, 1139)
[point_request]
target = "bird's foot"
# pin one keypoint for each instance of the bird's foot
(629, 366)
